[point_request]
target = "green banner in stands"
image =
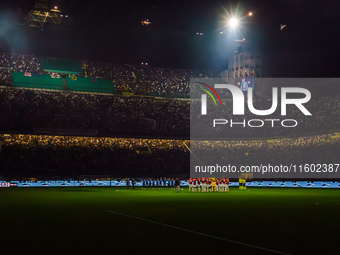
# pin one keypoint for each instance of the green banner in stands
(36, 80)
(60, 65)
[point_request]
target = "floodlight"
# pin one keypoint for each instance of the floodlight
(233, 22)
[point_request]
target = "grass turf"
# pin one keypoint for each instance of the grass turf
(77, 220)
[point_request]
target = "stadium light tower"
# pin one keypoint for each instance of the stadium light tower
(41, 14)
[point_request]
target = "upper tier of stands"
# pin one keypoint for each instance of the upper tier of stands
(130, 79)
(44, 112)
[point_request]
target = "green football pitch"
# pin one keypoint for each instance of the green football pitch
(98, 220)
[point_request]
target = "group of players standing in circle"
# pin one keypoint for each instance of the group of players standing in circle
(208, 184)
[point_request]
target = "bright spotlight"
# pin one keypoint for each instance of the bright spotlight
(233, 22)
(250, 13)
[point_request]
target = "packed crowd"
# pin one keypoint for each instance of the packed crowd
(70, 157)
(92, 142)
(16, 63)
(43, 112)
(139, 80)
(318, 149)
(314, 140)
(26, 110)
(147, 80)
(35, 111)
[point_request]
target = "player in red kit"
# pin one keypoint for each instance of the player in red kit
(190, 184)
(199, 184)
(194, 185)
(224, 181)
(220, 185)
(227, 185)
(204, 185)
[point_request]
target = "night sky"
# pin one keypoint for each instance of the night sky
(112, 32)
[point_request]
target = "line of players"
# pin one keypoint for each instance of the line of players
(208, 184)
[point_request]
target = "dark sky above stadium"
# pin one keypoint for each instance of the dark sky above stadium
(112, 32)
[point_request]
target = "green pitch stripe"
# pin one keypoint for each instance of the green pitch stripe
(199, 233)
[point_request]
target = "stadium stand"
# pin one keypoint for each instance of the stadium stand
(41, 112)
(90, 85)
(126, 79)
(69, 157)
(138, 116)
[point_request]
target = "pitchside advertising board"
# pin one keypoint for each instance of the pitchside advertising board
(7, 184)
(263, 128)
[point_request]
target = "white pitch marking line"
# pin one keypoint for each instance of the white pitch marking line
(199, 233)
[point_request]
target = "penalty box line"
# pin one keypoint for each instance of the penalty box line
(199, 233)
